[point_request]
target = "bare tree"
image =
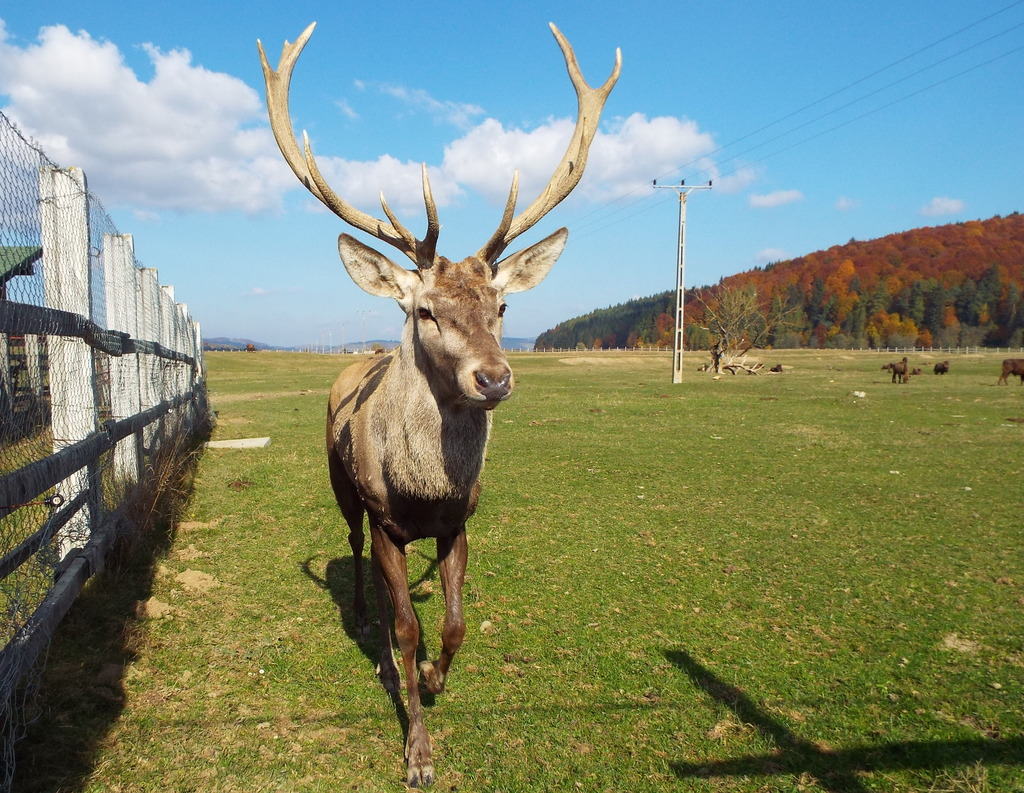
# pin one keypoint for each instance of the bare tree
(739, 320)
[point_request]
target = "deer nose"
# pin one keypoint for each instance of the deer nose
(494, 386)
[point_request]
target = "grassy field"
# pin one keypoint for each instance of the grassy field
(747, 584)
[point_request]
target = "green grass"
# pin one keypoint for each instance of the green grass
(746, 584)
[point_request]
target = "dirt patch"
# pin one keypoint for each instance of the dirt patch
(192, 525)
(953, 642)
(577, 361)
(224, 399)
(189, 554)
(153, 609)
(197, 581)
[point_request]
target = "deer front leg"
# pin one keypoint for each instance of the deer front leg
(391, 564)
(387, 670)
(452, 553)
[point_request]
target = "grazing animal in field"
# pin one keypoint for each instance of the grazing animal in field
(1011, 366)
(887, 367)
(899, 371)
(777, 368)
(942, 367)
(250, 348)
(915, 372)
(407, 432)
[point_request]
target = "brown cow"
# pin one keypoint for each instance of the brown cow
(1012, 366)
(250, 348)
(899, 371)
(942, 367)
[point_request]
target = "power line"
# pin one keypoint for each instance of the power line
(883, 107)
(867, 77)
(602, 219)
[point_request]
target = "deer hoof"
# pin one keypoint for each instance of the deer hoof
(419, 763)
(389, 677)
(420, 776)
(431, 677)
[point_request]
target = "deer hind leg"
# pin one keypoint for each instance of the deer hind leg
(451, 554)
(392, 578)
(352, 510)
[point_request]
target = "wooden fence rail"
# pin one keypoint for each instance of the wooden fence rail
(101, 373)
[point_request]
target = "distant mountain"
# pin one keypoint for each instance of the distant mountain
(513, 343)
(221, 343)
(641, 321)
(959, 284)
(224, 344)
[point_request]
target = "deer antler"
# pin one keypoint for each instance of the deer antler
(590, 103)
(567, 175)
(304, 166)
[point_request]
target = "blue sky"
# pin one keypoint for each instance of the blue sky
(819, 122)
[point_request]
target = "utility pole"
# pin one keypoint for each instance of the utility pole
(677, 350)
(363, 315)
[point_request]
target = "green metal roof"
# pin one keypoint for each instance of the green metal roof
(18, 260)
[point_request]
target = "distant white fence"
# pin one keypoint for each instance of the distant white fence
(99, 370)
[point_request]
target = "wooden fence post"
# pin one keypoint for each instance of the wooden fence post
(168, 325)
(150, 367)
(122, 315)
(64, 217)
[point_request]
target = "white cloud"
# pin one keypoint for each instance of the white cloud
(190, 139)
(737, 180)
(777, 199)
(634, 149)
(770, 255)
(361, 183)
(622, 157)
(485, 157)
(178, 141)
(844, 204)
(457, 113)
(941, 205)
(256, 291)
(347, 110)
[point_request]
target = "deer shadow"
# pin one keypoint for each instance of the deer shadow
(836, 770)
(74, 698)
(338, 581)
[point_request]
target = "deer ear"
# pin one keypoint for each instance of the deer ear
(374, 272)
(527, 268)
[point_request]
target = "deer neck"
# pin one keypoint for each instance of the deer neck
(433, 444)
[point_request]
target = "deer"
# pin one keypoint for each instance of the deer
(407, 432)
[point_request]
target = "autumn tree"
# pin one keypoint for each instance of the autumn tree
(739, 320)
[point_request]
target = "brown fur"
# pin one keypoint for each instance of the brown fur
(407, 432)
(406, 438)
(1011, 366)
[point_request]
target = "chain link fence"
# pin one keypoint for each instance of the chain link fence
(100, 370)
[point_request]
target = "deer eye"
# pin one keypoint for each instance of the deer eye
(501, 309)
(425, 314)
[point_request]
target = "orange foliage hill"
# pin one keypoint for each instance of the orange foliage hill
(956, 284)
